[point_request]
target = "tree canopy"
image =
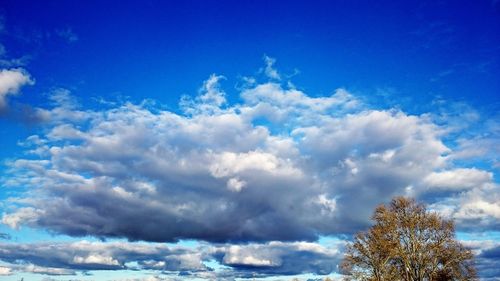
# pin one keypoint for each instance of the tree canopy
(408, 243)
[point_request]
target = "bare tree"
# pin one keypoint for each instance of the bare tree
(408, 243)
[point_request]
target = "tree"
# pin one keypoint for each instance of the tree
(408, 243)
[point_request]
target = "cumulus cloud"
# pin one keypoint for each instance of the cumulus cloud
(280, 165)
(279, 258)
(458, 179)
(70, 258)
(487, 257)
(209, 101)
(11, 80)
(474, 210)
(488, 262)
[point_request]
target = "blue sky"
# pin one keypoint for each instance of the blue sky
(166, 140)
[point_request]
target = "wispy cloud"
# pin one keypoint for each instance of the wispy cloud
(269, 70)
(67, 34)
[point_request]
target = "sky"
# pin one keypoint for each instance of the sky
(239, 140)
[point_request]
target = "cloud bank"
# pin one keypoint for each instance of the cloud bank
(70, 258)
(256, 182)
(279, 166)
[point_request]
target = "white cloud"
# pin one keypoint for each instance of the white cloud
(269, 70)
(23, 215)
(229, 164)
(282, 258)
(64, 258)
(70, 258)
(270, 100)
(458, 179)
(282, 165)
(95, 259)
(210, 100)
(238, 255)
(235, 184)
(329, 205)
(11, 80)
(48, 270)
(279, 166)
(148, 278)
(477, 209)
(5, 271)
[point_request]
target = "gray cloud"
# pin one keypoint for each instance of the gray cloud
(488, 263)
(279, 166)
(68, 258)
(279, 258)
(487, 258)
(269, 259)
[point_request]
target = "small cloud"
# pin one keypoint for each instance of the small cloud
(269, 70)
(210, 99)
(67, 34)
(14, 62)
(11, 80)
(458, 179)
(235, 184)
(5, 271)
